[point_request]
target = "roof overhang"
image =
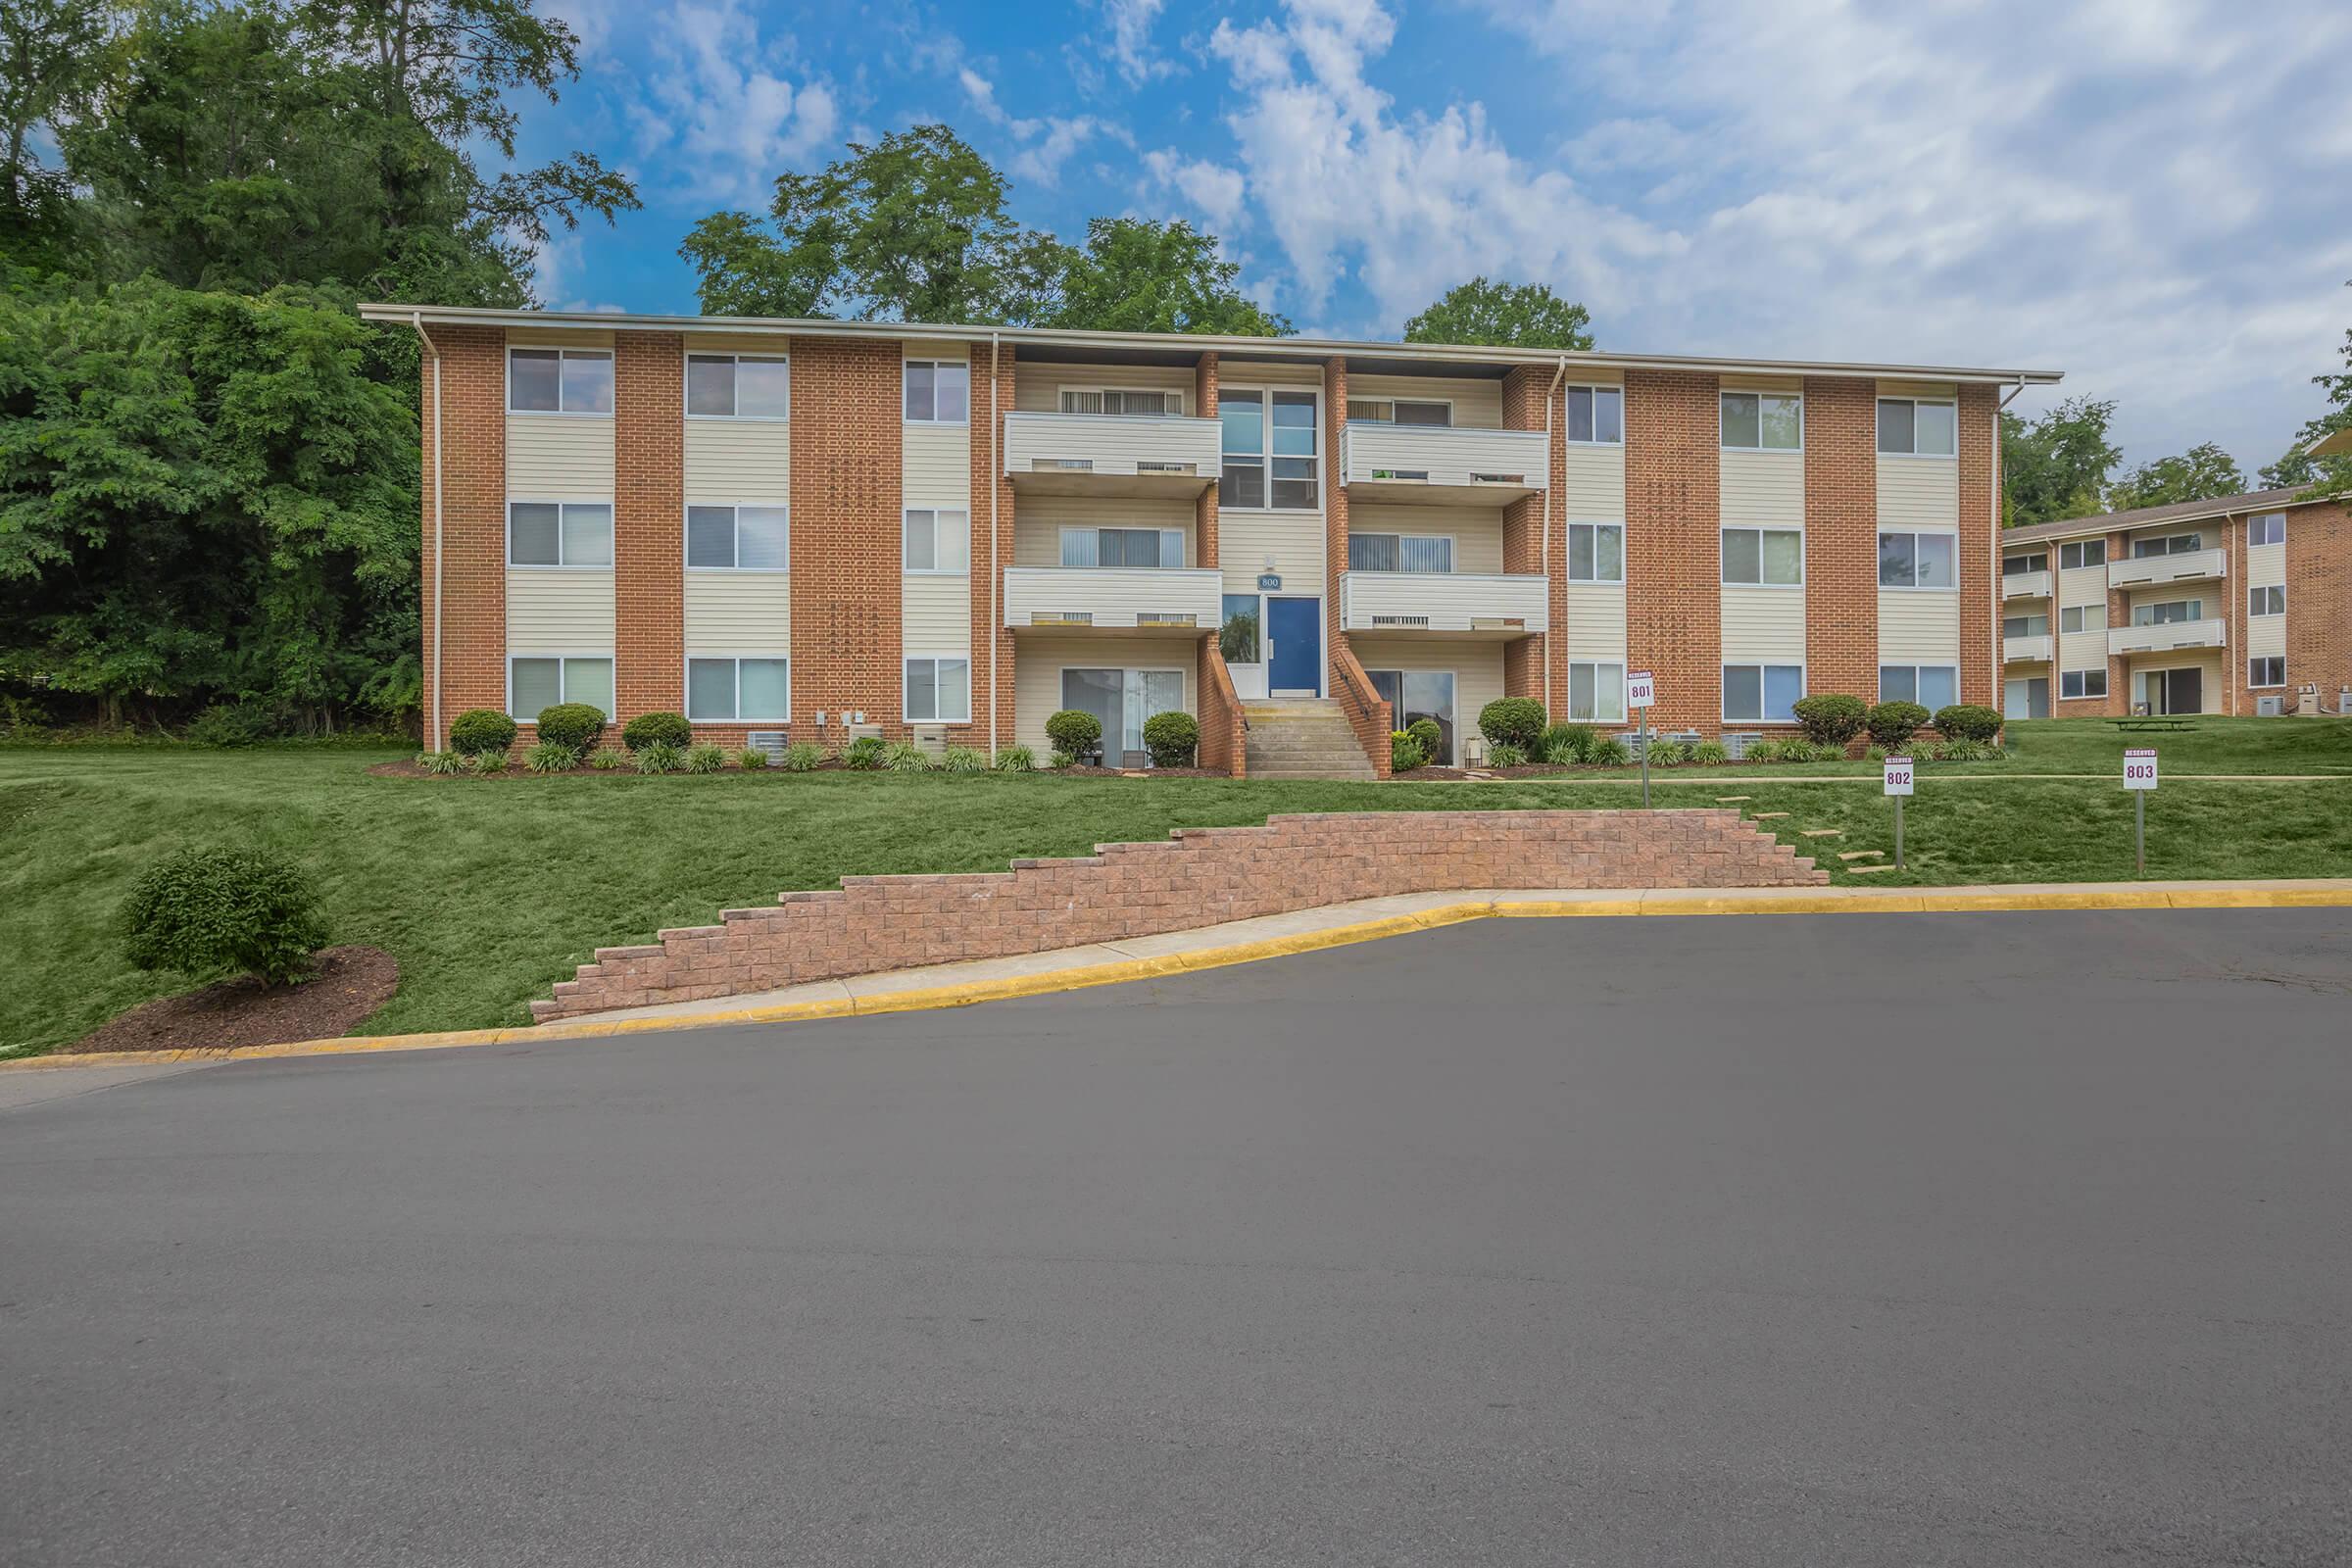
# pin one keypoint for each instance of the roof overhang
(2335, 444)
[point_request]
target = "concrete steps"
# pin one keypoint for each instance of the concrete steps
(1303, 738)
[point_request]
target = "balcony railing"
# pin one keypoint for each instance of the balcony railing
(2213, 633)
(1111, 453)
(2147, 571)
(2026, 584)
(2025, 649)
(1441, 463)
(1462, 603)
(1113, 598)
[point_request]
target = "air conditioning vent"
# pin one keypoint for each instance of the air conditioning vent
(1736, 743)
(1190, 468)
(1497, 623)
(1498, 478)
(1419, 474)
(1062, 618)
(1165, 618)
(770, 741)
(2270, 706)
(1401, 620)
(1062, 465)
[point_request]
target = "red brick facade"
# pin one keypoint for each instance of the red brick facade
(1526, 551)
(990, 635)
(2319, 600)
(1980, 651)
(846, 577)
(649, 513)
(1841, 538)
(471, 378)
(1673, 544)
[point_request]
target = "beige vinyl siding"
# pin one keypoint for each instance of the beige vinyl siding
(560, 610)
(2266, 636)
(1918, 627)
(937, 467)
(1477, 531)
(1476, 403)
(1291, 540)
(1595, 490)
(1037, 675)
(1763, 625)
(2082, 650)
(1918, 492)
(1234, 372)
(2213, 597)
(1039, 518)
(2265, 566)
(1595, 626)
(559, 337)
(1791, 385)
(558, 457)
(1477, 668)
(1763, 488)
(775, 345)
(936, 616)
(2214, 662)
(1919, 389)
(745, 612)
(1037, 388)
(2082, 585)
(731, 461)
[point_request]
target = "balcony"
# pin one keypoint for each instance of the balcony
(1126, 600)
(1111, 453)
(2025, 649)
(2213, 633)
(2152, 571)
(2026, 584)
(1439, 464)
(1453, 604)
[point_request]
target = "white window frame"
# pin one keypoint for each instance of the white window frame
(1452, 552)
(734, 509)
(2154, 605)
(1917, 404)
(2276, 517)
(2253, 660)
(2081, 614)
(1760, 530)
(1266, 454)
(1759, 665)
(1596, 388)
(936, 366)
(1064, 389)
(686, 688)
(1758, 392)
(562, 679)
(1614, 685)
(2082, 549)
(686, 389)
(1062, 541)
(612, 524)
(2082, 680)
(1389, 422)
(906, 514)
(560, 412)
(1915, 586)
(2266, 590)
(2195, 538)
(1915, 670)
(907, 685)
(1596, 530)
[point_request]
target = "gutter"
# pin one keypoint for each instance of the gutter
(432, 734)
(1551, 441)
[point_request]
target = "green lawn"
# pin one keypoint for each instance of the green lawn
(488, 892)
(2214, 746)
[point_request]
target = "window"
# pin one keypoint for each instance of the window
(1775, 557)
(1597, 694)
(539, 681)
(1931, 686)
(1269, 449)
(2025, 626)
(2179, 544)
(1762, 693)
(738, 386)
(751, 690)
(1237, 638)
(1399, 552)
(1123, 547)
(1766, 421)
(1400, 411)
(739, 538)
(2268, 529)
(558, 533)
(2083, 553)
(1417, 694)
(1119, 400)
(1597, 551)
(1913, 427)
(939, 392)
(1596, 414)
(2021, 566)
(2083, 617)
(2266, 600)
(2083, 683)
(559, 381)
(2171, 612)
(936, 540)
(939, 691)
(1918, 560)
(2270, 671)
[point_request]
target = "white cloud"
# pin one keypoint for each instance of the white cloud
(1131, 24)
(720, 108)
(1048, 141)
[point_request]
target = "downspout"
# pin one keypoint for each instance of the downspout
(2235, 614)
(995, 577)
(432, 736)
(1551, 444)
(2000, 669)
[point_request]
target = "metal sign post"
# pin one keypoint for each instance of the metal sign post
(1642, 695)
(1898, 777)
(2140, 777)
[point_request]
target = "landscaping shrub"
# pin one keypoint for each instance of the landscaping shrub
(1767, 751)
(865, 753)
(1015, 760)
(1797, 748)
(1062, 761)
(492, 760)
(203, 911)
(1710, 752)
(1075, 731)
(480, 729)
(1967, 721)
(443, 763)
(550, 757)
(1965, 751)
(1667, 754)
(1430, 736)
(234, 725)
(1506, 754)
(1874, 754)
(1404, 751)
(962, 760)
(801, 757)
(1891, 724)
(905, 756)
(659, 756)
(1831, 719)
(578, 725)
(1566, 744)
(1171, 738)
(606, 758)
(656, 729)
(1609, 750)
(705, 759)
(1513, 721)
(752, 759)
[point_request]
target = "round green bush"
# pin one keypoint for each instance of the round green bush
(656, 729)
(234, 725)
(1431, 737)
(1967, 721)
(1404, 751)
(480, 729)
(1891, 724)
(1515, 722)
(578, 725)
(865, 753)
(1831, 719)
(1074, 730)
(1171, 738)
(205, 911)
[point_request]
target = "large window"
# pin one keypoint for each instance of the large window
(2268, 529)
(936, 540)
(1762, 693)
(1918, 427)
(536, 681)
(1237, 637)
(1120, 401)
(559, 381)
(558, 533)
(739, 538)
(1931, 686)
(2083, 553)
(1595, 693)
(2024, 566)
(2025, 625)
(1918, 560)
(1400, 410)
(1768, 557)
(2083, 617)
(1123, 547)
(2269, 601)
(939, 392)
(1270, 449)
(2270, 671)
(1763, 422)
(2177, 544)
(1418, 694)
(939, 691)
(738, 386)
(1596, 414)
(1399, 552)
(2076, 683)
(1597, 551)
(2169, 613)
(743, 690)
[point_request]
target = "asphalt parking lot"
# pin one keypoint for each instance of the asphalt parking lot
(1922, 1239)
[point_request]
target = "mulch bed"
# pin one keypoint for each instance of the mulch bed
(409, 769)
(352, 981)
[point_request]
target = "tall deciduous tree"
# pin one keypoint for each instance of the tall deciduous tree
(2057, 466)
(1528, 315)
(2296, 466)
(2201, 474)
(48, 58)
(1136, 275)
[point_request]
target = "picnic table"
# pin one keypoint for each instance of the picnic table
(2140, 723)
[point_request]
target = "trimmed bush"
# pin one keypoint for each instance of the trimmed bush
(1766, 751)
(1505, 755)
(233, 725)
(751, 759)
(659, 756)
(1171, 738)
(607, 758)
(962, 760)
(1431, 735)
(1967, 721)
(1513, 721)
(491, 761)
(1891, 724)
(1710, 752)
(1831, 719)
(1404, 751)
(1062, 761)
(549, 758)
(656, 729)
(801, 757)
(705, 759)
(1015, 760)
(1075, 731)
(480, 729)
(578, 725)
(205, 911)
(865, 753)
(1566, 744)
(1609, 750)
(1874, 754)
(1667, 754)
(905, 756)
(442, 763)
(1965, 751)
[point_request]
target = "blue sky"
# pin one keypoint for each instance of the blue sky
(2154, 196)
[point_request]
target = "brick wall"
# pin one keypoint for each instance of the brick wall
(473, 492)
(1673, 563)
(988, 608)
(845, 533)
(1842, 538)
(1526, 663)
(1204, 514)
(1200, 876)
(2319, 601)
(649, 511)
(1224, 739)
(1980, 565)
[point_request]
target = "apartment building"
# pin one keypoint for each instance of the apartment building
(2240, 605)
(825, 528)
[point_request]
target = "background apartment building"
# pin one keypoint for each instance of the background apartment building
(819, 528)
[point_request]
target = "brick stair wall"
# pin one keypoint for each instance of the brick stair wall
(1197, 877)
(1224, 731)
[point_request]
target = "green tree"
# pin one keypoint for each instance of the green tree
(48, 57)
(2201, 474)
(2057, 466)
(2296, 466)
(1528, 315)
(1136, 275)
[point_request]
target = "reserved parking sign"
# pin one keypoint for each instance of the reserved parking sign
(2140, 767)
(1899, 776)
(1639, 690)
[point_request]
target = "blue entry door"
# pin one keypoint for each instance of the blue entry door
(1294, 630)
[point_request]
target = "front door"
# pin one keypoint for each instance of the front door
(1295, 633)
(2029, 698)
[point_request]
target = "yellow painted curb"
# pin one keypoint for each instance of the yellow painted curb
(964, 994)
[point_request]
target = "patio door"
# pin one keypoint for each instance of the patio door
(2174, 691)
(2029, 698)
(1122, 700)
(1413, 694)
